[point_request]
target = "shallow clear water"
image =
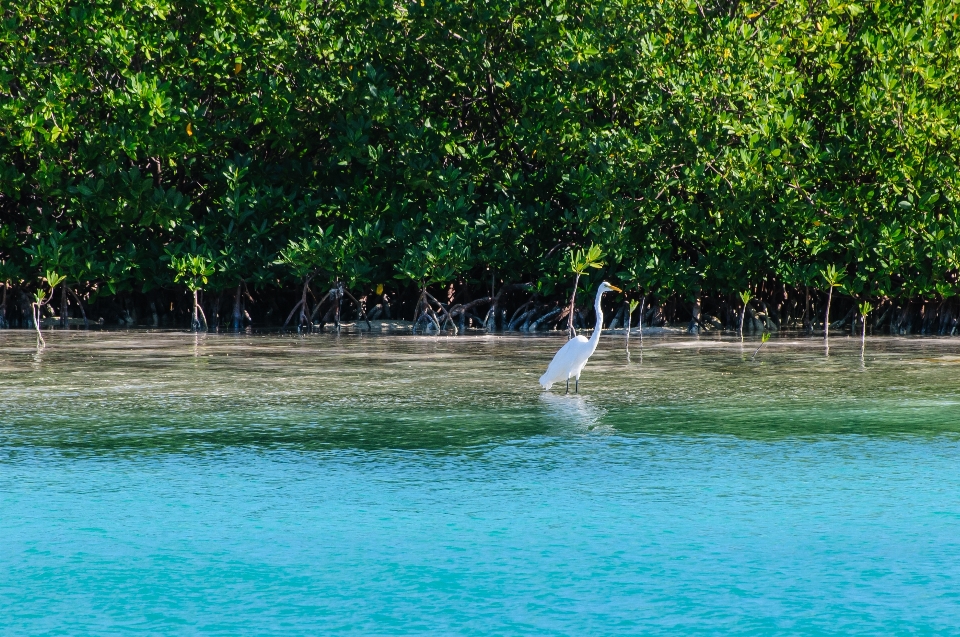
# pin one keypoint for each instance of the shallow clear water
(164, 483)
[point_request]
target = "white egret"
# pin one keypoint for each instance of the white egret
(571, 358)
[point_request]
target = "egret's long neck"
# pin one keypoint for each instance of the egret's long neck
(595, 337)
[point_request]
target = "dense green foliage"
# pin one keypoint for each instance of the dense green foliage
(703, 146)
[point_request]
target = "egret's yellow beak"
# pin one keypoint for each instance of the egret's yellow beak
(615, 288)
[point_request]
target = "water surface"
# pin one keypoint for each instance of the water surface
(260, 484)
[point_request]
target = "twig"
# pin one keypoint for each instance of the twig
(86, 323)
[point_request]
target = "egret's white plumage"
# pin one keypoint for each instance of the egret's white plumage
(569, 361)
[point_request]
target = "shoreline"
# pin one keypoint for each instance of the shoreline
(404, 328)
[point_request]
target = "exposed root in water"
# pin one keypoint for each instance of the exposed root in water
(361, 311)
(490, 322)
(316, 308)
(545, 319)
(424, 310)
(773, 307)
(301, 305)
(195, 324)
(518, 316)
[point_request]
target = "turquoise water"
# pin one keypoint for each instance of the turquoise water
(161, 483)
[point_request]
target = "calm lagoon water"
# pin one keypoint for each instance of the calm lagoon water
(162, 483)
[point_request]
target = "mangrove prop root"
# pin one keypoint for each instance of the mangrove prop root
(519, 312)
(301, 305)
(535, 325)
(522, 320)
(206, 325)
(292, 312)
(360, 307)
(316, 308)
(490, 323)
(433, 317)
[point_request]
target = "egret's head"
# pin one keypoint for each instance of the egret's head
(606, 287)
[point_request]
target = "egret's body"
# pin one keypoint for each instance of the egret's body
(569, 361)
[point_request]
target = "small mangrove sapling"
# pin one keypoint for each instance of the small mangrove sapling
(833, 277)
(580, 261)
(38, 302)
(763, 339)
(865, 309)
(631, 306)
(745, 296)
(40, 299)
(193, 270)
(643, 300)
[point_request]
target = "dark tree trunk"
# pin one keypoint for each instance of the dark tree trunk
(3, 308)
(694, 326)
(195, 319)
(236, 319)
(63, 306)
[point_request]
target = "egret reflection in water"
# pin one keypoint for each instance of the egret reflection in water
(573, 414)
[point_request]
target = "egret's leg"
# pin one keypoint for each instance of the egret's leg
(578, 385)
(568, 386)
